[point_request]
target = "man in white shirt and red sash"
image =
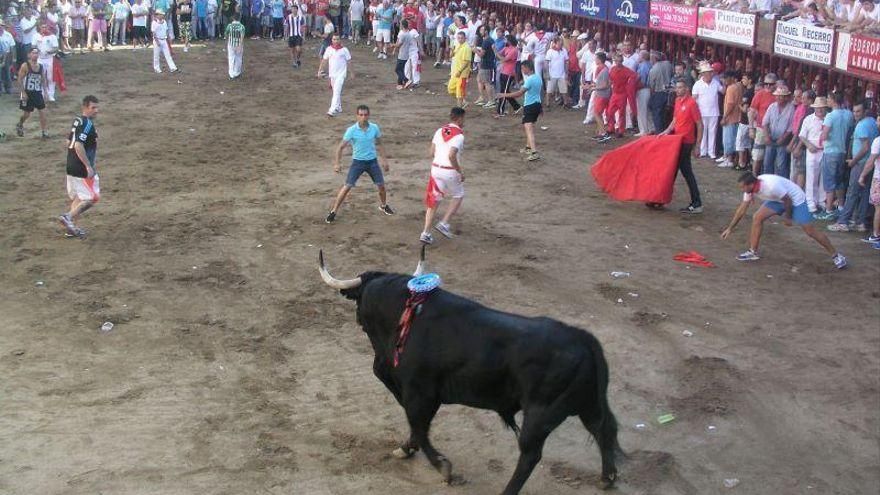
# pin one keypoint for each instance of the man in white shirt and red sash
(447, 178)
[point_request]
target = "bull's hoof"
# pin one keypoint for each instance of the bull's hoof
(403, 452)
(607, 481)
(445, 469)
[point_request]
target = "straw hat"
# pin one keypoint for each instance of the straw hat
(160, 12)
(782, 91)
(821, 102)
(704, 67)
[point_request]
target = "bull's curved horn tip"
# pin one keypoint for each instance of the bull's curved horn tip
(320, 257)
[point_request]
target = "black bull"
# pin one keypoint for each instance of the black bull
(461, 352)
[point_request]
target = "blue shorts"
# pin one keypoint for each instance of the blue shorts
(359, 167)
(728, 138)
(800, 214)
(834, 171)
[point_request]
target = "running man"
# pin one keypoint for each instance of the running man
(447, 178)
(337, 58)
(532, 87)
(161, 31)
(32, 79)
(781, 197)
(295, 25)
(235, 45)
(82, 178)
(364, 137)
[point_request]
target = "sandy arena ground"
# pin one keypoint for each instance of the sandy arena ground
(232, 369)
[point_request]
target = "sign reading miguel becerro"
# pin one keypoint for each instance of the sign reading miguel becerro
(803, 42)
(726, 26)
(629, 12)
(595, 9)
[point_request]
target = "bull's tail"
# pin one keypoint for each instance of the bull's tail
(599, 419)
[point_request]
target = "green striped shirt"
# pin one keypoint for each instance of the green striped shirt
(235, 34)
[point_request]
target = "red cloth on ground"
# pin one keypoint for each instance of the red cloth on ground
(58, 75)
(693, 258)
(643, 170)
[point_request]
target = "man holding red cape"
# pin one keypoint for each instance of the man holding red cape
(645, 170)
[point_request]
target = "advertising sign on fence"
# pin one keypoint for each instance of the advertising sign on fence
(528, 3)
(557, 5)
(594, 9)
(673, 18)
(864, 56)
(628, 12)
(726, 26)
(804, 42)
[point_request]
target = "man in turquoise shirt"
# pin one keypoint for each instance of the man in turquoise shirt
(384, 15)
(364, 137)
(856, 206)
(836, 128)
(532, 87)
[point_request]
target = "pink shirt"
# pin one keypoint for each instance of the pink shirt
(799, 113)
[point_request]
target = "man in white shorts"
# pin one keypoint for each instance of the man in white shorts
(781, 197)
(82, 178)
(447, 178)
(557, 64)
(384, 17)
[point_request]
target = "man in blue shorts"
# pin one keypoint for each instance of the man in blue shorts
(364, 139)
(532, 86)
(781, 197)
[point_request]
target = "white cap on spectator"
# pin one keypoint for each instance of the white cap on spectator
(583, 36)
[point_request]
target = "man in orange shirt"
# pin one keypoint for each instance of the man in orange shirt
(760, 103)
(730, 118)
(687, 121)
(621, 78)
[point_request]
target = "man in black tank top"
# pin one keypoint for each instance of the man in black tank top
(32, 79)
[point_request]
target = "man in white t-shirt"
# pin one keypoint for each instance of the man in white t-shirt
(706, 91)
(557, 66)
(162, 36)
(337, 58)
(811, 138)
(47, 44)
(447, 178)
(781, 197)
(873, 189)
(139, 12)
(27, 28)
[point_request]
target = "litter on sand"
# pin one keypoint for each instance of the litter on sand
(693, 258)
(665, 418)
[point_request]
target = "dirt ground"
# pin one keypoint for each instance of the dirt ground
(233, 369)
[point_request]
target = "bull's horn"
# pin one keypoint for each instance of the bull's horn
(420, 268)
(334, 282)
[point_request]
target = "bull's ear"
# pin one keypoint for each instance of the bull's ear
(354, 294)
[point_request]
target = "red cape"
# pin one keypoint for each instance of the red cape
(643, 170)
(58, 75)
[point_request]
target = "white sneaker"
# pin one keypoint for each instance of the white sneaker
(725, 164)
(718, 159)
(443, 228)
(427, 238)
(839, 261)
(375, 49)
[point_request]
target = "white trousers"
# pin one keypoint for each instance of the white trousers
(643, 117)
(235, 55)
(412, 69)
(336, 84)
(710, 128)
(813, 186)
(162, 46)
(49, 64)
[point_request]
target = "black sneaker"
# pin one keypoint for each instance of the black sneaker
(330, 217)
(386, 209)
(691, 209)
(605, 138)
(19, 130)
